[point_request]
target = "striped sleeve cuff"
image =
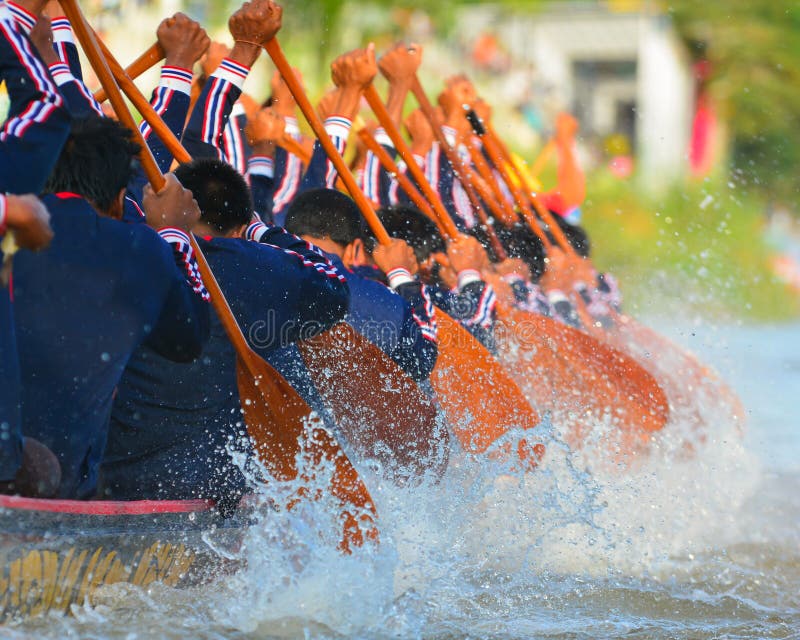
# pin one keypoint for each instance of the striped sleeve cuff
(554, 296)
(292, 126)
(233, 72)
(62, 31)
(338, 127)
(468, 276)
(256, 230)
(3, 214)
(449, 134)
(261, 166)
(24, 18)
(181, 245)
(382, 138)
(398, 277)
(176, 78)
(61, 73)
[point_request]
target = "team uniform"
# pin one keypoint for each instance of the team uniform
(398, 318)
(174, 425)
(82, 307)
(30, 142)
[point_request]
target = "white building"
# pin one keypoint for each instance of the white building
(619, 72)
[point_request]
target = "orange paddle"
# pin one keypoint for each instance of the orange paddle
(480, 399)
(683, 374)
(548, 359)
(276, 416)
(403, 436)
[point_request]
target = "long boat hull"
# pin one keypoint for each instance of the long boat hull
(54, 553)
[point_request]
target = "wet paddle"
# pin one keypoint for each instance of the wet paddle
(548, 360)
(404, 437)
(641, 405)
(277, 418)
(677, 369)
(480, 399)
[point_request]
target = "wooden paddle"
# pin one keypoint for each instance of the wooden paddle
(148, 59)
(479, 398)
(642, 404)
(548, 360)
(276, 416)
(683, 375)
(404, 437)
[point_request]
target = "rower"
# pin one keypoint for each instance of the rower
(177, 428)
(100, 290)
(398, 318)
(30, 140)
(27, 467)
(452, 272)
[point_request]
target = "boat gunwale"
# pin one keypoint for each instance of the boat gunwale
(105, 507)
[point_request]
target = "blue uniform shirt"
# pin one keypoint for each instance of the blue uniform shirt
(172, 424)
(82, 307)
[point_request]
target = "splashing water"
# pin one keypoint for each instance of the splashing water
(681, 543)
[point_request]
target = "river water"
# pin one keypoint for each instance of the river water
(682, 545)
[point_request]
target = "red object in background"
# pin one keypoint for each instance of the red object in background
(704, 127)
(621, 167)
(701, 149)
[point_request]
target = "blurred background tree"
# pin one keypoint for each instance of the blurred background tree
(753, 48)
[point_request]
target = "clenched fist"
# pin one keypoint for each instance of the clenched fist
(401, 62)
(183, 40)
(355, 69)
(28, 219)
(256, 22)
(173, 206)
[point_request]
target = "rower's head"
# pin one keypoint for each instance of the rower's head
(97, 162)
(418, 230)
(330, 220)
(225, 201)
(422, 235)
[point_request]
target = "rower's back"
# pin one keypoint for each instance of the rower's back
(82, 307)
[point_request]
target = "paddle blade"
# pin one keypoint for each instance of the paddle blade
(481, 400)
(696, 393)
(380, 409)
(579, 379)
(277, 420)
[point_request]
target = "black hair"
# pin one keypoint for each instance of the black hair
(521, 242)
(221, 192)
(418, 230)
(576, 236)
(325, 213)
(97, 161)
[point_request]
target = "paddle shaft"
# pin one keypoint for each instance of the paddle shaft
(92, 50)
(390, 165)
(290, 145)
(148, 59)
(275, 52)
(460, 170)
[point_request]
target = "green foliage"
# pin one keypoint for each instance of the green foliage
(754, 48)
(699, 248)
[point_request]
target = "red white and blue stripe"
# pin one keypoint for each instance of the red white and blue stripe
(40, 110)
(24, 18)
(182, 247)
(338, 128)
